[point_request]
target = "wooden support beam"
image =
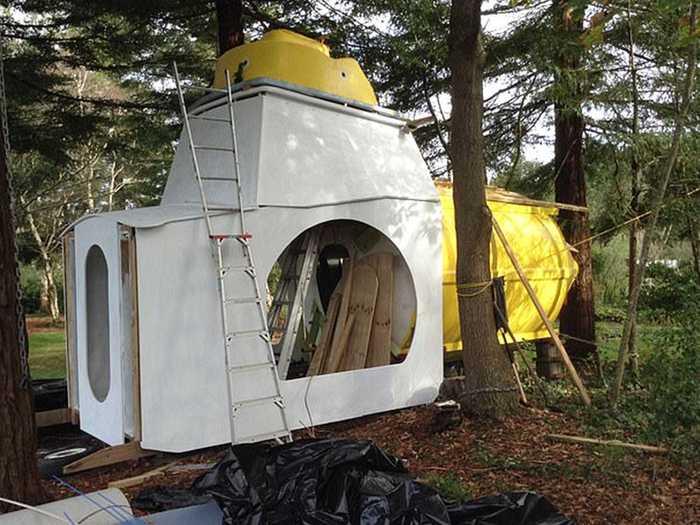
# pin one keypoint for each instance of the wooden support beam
(543, 315)
(48, 418)
(108, 456)
(499, 195)
(612, 443)
(137, 480)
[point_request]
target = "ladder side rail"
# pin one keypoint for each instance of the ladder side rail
(195, 162)
(295, 312)
(234, 142)
(249, 255)
(227, 339)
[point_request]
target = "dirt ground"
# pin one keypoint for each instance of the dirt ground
(591, 485)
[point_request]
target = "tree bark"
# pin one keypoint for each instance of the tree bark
(577, 317)
(49, 292)
(489, 385)
(679, 124)
(19, 475)
(635, 168)
(229, 17)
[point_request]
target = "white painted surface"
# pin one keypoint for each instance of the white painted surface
(305, 162)
(79, 509)
(183, 383)
(298, 152)
(102, 419)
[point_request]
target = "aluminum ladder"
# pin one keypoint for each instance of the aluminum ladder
(265, 370)
(294, 283)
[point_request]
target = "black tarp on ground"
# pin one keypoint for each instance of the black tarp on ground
(340, 481)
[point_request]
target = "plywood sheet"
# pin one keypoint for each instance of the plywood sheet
(334, 356)
(379, 351)
(321, 353)
(363, 298)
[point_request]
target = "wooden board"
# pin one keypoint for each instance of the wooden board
(363, 299)
(379, 352)
(141, 478)
(58, 416)
(334, 355)
(321, 352)
(108, 456)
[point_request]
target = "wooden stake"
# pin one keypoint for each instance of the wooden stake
(543, 315)
(612, 443)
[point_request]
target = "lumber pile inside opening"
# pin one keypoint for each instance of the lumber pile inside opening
(357, 331)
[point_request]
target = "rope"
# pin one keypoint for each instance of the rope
(480, 287)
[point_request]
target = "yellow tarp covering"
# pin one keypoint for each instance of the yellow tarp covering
(542, 252)
(290, 57)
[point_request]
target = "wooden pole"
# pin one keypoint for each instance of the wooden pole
(612, 443)
(543, 315)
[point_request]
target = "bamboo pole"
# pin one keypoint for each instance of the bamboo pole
(543, 315)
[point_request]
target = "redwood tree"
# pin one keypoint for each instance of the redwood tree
(229, 18)
(19, 475)
(489, 386)
(577, 317)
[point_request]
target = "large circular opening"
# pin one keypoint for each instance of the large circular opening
(341, 298)
(97, 322)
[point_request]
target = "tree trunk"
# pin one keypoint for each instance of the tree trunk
(577, 317)
(229, 17)
(49, 292)
(489, 385)
(694, 244)
(19, 475)
(636, 170)
(679, 126)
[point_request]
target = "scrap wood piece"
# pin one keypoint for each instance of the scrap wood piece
(321, 353)
(108, 456)
(137, 480)
(379, 353)
(607, 442)
(334, 354)
(543, 315)
(363, 299)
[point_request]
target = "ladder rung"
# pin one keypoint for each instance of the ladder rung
(212, 148)
(247, 333)
(268, 435)
(277, 399)
(243, 268)
(219, 178)
(242, 300)
(250, 368)
(212, 119)
(207, 89)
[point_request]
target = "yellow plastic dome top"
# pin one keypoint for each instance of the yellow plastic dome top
(290, 57)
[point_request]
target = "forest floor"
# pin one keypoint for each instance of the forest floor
(592, 485)
(479, 457)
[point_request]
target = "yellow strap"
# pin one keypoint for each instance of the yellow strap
(480, 288)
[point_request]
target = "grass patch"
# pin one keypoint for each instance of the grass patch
(47, 357)
(449, 486)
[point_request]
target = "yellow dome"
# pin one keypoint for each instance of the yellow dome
(290, 57)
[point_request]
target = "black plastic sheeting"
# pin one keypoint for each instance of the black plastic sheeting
(339, 481)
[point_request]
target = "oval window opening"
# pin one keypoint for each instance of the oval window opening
(97, 320)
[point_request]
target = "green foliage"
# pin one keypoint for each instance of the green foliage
(30, 282)
(449, 486)
(610, 270)
(669, 292)
(671, 374)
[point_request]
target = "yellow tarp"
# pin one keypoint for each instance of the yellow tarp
(542, 252)
(290, 57)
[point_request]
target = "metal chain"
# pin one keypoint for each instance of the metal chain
(21, 328)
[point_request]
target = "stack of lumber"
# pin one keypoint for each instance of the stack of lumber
(357, 331)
